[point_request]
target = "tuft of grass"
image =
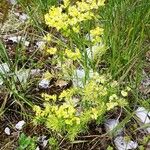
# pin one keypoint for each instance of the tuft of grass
(12, 84)
(36, 9)
(126, 26)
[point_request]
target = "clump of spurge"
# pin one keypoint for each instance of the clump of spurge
(78, 24)
(68, 16)
(76, 107)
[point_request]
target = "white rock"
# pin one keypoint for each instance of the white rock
(17, 39)
(35, 72)
(78, 77)
(26, 43)
(111, 124)
(37, 148)
(143, 116)
(40, 44)
(13, 2)
(119, 141)
(42, 140)
(43, 137)
(23, 17)
(24, 74)
(20, 125)
(121, 144)
(44, 83)
(17, 14)
(91, 51)
(7, 131)
(45, 143)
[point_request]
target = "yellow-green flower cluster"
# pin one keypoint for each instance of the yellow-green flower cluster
(73, 55)
(114, 100)
(48, 37)
(68, 14)
(47, 75)
(96, 34)
(52, 50)
(100, 87)
(65, 113)
(48, 97)
(94, 91)
(97, 97)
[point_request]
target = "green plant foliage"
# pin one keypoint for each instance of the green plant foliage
(36, 9)
(26, 142)
(79, 106)
(126, 30)
(70, 113)
(53, 144)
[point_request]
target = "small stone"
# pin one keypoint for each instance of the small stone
(37, 148)
(20, 125)
(7, 131)
(111, 124)
(44, 83)
(143, 116)
(45, 143)
(15, 39)
(35, 72)
(26, 43)
(61, 83)
(40, 45)
(13, 2)
(79, 76)
(23, 17)
(121, 144)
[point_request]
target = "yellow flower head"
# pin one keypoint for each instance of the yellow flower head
(76, 29)
(37, 110)
(47, 75)
(94, 113)
(73, 11)
(52, 50)
(128, 88)
(66, 3)
(97, 31)
(73, 55)
(124, 93)
(68, 121)
(73, 14)
(48, 97)
(113, 97)
(111, 105)
(48, 37)
(77, 119)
